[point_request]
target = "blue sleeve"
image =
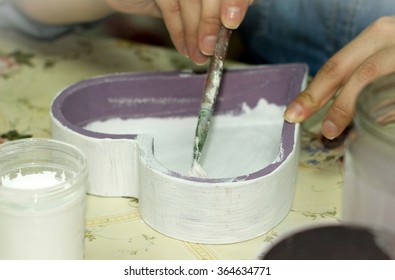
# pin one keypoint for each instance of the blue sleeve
(12, 18)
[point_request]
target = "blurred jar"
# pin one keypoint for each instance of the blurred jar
(42, 200)
(369, 187)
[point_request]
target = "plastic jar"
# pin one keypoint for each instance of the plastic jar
(42, 200)
(369, 187)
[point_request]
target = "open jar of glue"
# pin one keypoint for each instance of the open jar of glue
(42, 200)
(369, 187)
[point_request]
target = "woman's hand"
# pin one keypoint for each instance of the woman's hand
(370, 55)
(193, 24)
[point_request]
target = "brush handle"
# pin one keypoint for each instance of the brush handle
(211, 89)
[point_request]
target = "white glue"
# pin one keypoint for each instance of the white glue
(44, 179)
(42, 200)
(37, 226)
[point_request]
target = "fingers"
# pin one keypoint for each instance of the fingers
(340, 113)
(365, 58)
(191, 15)
(193, 24)
(209, 26)
(182, 19)
(230, 12)
(202, 21)
(171, 13)
(233, 12)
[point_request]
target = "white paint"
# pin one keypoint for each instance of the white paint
(44, 179)
(57, 233)
(38, 220)
(197, 170)
(212, 91)
(129, 101)
(236, 144)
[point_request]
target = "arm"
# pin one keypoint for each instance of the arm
(55, 12)
(193, 24)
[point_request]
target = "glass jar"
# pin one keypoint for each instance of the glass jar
(369, 187)
(42, 200)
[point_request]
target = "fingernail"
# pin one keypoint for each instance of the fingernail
(293, 113)
(330, 129)
(184, 52)
(208, 44)
(233, 14)
(199, 58)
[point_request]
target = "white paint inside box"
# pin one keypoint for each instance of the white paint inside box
(236, 144)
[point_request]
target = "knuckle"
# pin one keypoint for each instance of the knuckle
(309, 100)
(383, 24)
(340, 112)
(368, 71)
(330, 69)
(211, 20)
(173, 7)
(178, 37)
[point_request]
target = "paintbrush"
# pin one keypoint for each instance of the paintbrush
(213, 82)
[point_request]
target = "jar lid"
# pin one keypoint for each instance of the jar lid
(330, 243)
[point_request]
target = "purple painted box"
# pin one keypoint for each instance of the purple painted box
(206, 210)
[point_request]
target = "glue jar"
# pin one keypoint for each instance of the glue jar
(369, 187)
(42, 200)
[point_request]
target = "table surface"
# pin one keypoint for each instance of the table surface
(33, 72)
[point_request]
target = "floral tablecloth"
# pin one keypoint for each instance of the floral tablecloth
(33, 72)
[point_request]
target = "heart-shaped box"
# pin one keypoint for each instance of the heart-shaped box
(125, 161)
